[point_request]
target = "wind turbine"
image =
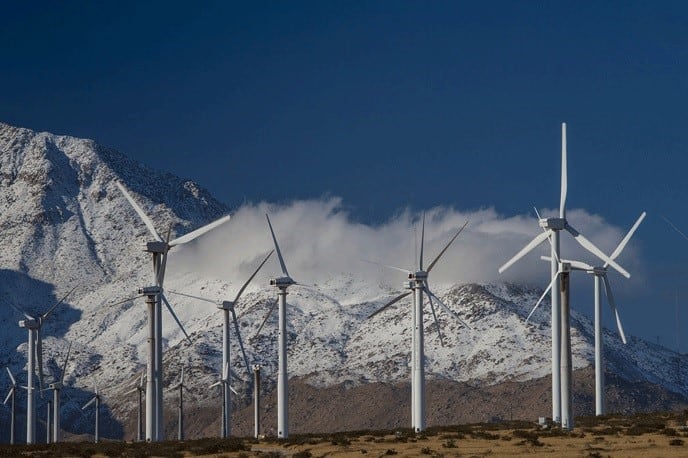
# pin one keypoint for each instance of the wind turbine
(224, 382)
(95, 399)
(139, 388)
(418, 283)
(281, 283)
(551, 229)
(599, 274)
(56, 387)
(159, 250)
(35, 355)
(13, 395)
(180, 406)
(228, 307)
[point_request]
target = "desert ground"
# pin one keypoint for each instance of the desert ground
(643, 435)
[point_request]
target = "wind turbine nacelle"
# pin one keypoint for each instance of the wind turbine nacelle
(555, 224)
(150, 290)
(28, 324)
(421, 275)
(225, 305)
(281, 282)
(155, 247)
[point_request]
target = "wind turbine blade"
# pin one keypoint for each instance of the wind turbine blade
(225, 373)
(21, 312)
(241, 343)
(215, 384)
(674, 227)
(434, 316)
(179, 323)
(272, 307)
(200, 231)
(50, 310)
(64, 366)
(432, 264)
(537, 213)
(233, 390)
(251, 277)
(124, 300)
(93, 399)
(9, 372)
(537, 304)
(192, 296)
(564, 173)
(446, 308)
(39, 357)
(612, 304)
(146, 220)
(575, 265)
(279, 253)
(588, 245)
(406, 271)
(9, 395)
(526, 249)
(422, 243)
(181, 380)
(625, 240)
(392, 302)
(163, 263)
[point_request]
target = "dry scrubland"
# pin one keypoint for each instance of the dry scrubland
(646, 435)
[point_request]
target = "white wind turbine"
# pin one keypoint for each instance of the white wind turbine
(13, 395)
(159, 249)
(228, 307)
(56, 386)
(226, 388)
(180, 406)
(551, 229)
(95, 399)
(418, 283)
(35, 358)
(599, 274)
(140, 389)
(281, 283)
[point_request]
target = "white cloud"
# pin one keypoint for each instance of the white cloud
(320, 240)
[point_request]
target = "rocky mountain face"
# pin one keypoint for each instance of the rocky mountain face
(64, 224)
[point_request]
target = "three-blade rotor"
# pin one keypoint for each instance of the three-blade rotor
(421, 276)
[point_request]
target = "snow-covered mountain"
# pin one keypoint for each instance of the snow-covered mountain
(64, 224)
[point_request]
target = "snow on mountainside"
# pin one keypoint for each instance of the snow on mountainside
(65, 224)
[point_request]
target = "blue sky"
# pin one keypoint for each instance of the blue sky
(389, 105)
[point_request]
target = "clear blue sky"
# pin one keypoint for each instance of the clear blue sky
(387, 104)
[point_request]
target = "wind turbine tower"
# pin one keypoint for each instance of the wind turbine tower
(159, 250)
(57, 387)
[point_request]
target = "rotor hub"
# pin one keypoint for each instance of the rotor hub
(30, 324)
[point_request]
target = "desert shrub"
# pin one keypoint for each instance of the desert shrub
(449, 444)
(609, 431)
(639, 430)
(391, 451)
(303, 454)
(676, 442)
(484, 435)
(426, 451)
(340, 440)
(670, 432)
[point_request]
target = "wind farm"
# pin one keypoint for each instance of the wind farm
(340, 229)
(341, 318)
